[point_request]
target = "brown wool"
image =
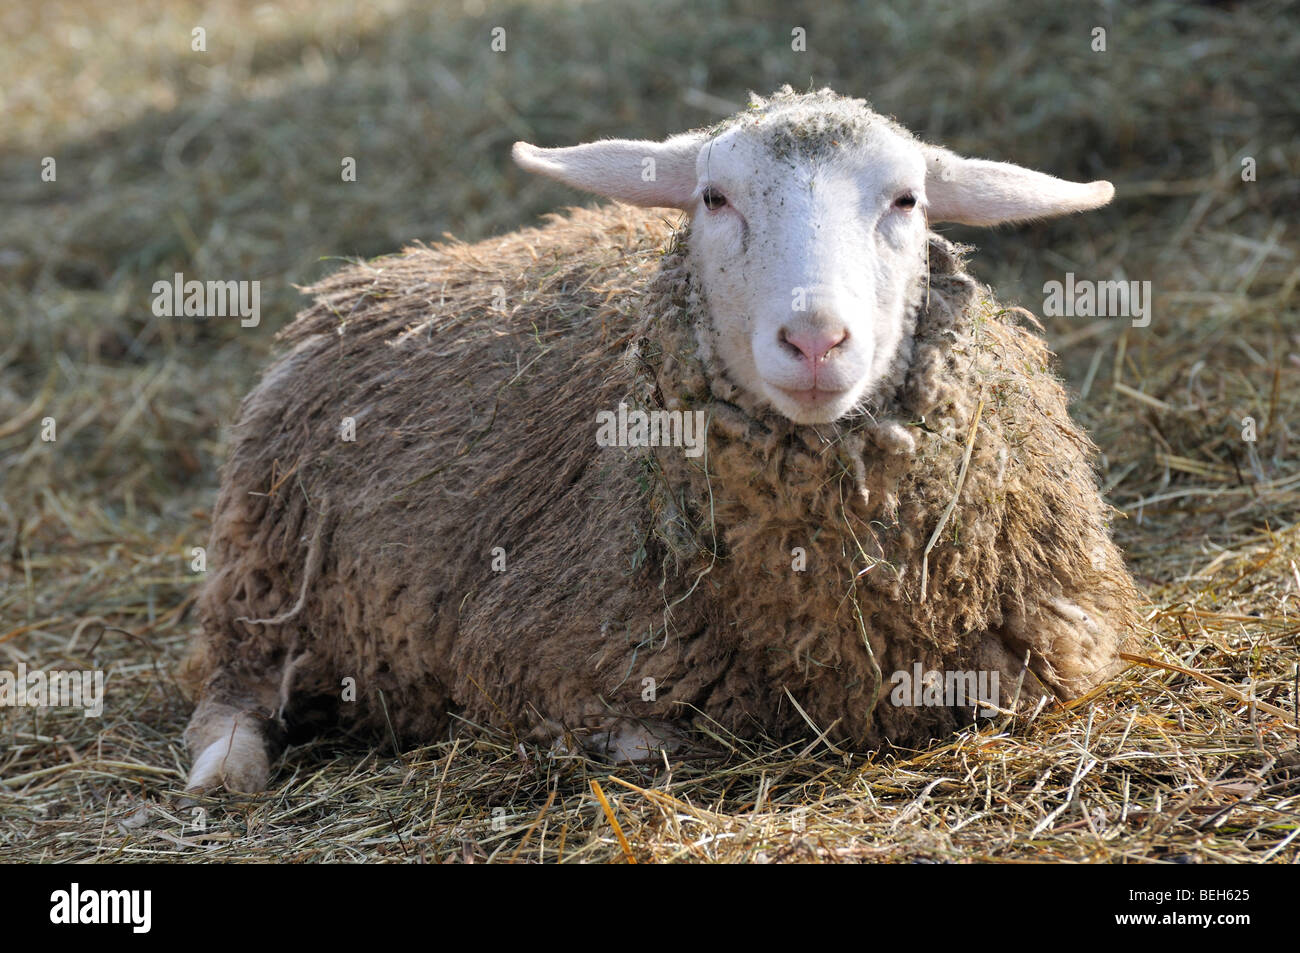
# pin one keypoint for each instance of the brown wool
(473, 375)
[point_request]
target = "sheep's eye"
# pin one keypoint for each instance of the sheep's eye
(713, 199)
(906, 202)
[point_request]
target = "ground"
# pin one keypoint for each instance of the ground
(226, 162)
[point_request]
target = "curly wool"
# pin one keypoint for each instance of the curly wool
(640, 586)
(856, 503)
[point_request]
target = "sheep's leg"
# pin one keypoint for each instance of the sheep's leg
(232, 742)
(1073, 646)
(1018, 688)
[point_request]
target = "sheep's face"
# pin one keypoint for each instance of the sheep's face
(809, 241)
(808, 234)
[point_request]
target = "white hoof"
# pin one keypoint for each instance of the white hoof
(632, 742)
(237, 761)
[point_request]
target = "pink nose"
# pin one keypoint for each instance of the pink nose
(814, 345)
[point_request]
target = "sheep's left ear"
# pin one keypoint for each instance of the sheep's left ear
(978, 192)
(640, 172)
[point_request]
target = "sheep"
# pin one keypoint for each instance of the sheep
(418, 527)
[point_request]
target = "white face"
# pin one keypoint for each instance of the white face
(808, 263)
(808, 233)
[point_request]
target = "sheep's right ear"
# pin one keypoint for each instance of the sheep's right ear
(639, 172)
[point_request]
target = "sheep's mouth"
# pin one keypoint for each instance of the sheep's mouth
(812, 405)
(812, 397)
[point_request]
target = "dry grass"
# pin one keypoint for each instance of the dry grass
(225, 165)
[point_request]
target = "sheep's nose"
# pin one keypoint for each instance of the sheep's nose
(815, 345)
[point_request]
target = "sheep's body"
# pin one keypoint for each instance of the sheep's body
(741, 581)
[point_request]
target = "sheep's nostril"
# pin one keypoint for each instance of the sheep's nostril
(815, 346)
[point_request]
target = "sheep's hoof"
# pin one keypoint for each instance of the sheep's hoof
(632, 741)
(237, 762)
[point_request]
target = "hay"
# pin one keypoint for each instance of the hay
(208, 165)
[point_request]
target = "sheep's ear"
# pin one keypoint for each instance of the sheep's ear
(978, 192)
(639, 172)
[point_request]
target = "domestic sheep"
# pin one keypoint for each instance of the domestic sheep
(444, 503)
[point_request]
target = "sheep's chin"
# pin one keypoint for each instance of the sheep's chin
(825, 410)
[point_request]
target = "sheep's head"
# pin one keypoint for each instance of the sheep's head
(808, 234)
